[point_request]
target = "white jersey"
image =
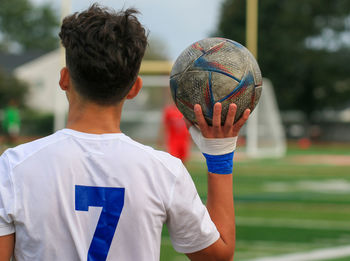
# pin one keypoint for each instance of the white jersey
(79, 196)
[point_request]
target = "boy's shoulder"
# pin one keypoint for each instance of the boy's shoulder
(163, 157)
(21, 152)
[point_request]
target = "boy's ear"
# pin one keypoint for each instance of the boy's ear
(64, 79)
(135, 88)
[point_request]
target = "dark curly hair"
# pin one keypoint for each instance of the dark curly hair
(104, 50)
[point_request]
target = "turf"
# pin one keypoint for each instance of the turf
(339, 259)
(283, 207)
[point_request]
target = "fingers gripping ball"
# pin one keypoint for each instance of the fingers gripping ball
(215, 70)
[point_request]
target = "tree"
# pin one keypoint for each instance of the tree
(156, 49)
(27, 26)
(301, 48)
(11, 89)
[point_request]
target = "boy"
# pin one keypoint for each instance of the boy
(89, 192)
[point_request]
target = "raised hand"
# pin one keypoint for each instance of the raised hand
(229, 129)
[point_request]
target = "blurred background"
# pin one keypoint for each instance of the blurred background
(292, 171)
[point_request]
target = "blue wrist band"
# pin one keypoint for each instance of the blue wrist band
(220, 164)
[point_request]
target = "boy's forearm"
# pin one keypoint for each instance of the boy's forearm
(221, 207)
(7, 244)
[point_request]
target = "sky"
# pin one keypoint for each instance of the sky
(177, 23)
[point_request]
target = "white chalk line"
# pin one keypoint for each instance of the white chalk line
(312, 255)
(293, 223)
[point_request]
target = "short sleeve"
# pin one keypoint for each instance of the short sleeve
(188, 221)
(6, 198)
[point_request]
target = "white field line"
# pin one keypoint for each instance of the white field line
(313, 255)
(293, 223)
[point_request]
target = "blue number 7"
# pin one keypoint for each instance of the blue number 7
(112, 201)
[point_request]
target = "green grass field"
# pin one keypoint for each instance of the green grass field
(283, 206)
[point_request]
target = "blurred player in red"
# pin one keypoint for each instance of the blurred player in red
(177, 137)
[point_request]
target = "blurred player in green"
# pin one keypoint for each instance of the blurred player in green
(11, 123)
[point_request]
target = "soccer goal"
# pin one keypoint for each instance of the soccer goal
(264, 130)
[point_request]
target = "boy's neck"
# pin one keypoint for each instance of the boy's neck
(94, 118)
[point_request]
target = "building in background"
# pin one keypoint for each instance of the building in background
(9, 62)
(42, 75)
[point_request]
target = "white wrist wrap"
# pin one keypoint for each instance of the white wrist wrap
(213, 146)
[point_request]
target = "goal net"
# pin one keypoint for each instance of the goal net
(264, 130)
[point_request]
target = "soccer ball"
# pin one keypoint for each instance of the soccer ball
(215, 70)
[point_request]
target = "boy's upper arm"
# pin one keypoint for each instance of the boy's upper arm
(188, 220)
(6, 198)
